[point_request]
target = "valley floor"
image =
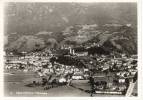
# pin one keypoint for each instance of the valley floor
(14, 86)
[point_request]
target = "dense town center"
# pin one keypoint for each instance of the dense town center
(105, 74)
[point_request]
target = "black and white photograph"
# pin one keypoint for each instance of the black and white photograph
(70, 49)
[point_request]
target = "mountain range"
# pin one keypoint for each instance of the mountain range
(36, 26)
(114, 37)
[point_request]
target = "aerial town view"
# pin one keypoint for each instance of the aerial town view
(70, 50)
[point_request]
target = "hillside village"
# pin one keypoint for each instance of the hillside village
(115, 73)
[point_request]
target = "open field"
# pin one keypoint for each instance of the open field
(15, 86)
